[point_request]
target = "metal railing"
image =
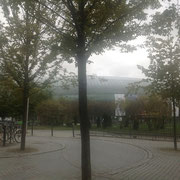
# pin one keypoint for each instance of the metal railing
(140, 127)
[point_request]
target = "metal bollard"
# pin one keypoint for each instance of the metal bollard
(32, 127)
(4, 135)
(73, 129)
(52, 129)
(10, 134)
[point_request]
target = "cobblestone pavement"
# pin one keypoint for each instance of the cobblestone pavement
(58, 158)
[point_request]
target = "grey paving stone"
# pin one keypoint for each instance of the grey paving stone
(58, 158)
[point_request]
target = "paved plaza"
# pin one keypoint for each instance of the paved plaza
(58, 158)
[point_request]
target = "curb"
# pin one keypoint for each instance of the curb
(34, 154)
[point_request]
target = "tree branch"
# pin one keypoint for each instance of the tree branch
(55, 12)
(96, 37)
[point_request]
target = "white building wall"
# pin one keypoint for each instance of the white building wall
(118, 109)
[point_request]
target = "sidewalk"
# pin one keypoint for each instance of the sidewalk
(58, 158)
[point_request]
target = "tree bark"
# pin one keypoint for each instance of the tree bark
(174, 124)
(24, 121)
(84, 121)
(26, 79)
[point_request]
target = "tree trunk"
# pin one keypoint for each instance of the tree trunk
(84, 121)
(26, 79)
(25, 116)
(174, 124)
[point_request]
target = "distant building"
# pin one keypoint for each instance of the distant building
(98, 88)
(118, 98)
(104, 88)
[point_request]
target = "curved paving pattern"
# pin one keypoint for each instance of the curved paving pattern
(164, 165)
(112, 159)
(34, 146)
(108, 157)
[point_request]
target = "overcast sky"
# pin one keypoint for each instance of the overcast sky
(115, 63)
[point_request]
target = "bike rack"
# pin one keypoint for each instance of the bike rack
(4, 125)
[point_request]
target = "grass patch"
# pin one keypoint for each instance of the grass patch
(54, 128)
(143, 129)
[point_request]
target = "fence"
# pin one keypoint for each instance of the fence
(144, 127)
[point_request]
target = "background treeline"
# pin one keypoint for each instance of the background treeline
(151, 112)
(46, 110)
(65, 112)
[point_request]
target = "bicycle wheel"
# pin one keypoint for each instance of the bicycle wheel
(2, 135)
(8, 134)
(17, 136)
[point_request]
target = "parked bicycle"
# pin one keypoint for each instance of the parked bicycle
(1, 133)
(11, 131)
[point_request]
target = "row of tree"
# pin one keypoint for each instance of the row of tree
(150, 110)
(163, 44)
(25, 52)
(38, 34)
(64, 111)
